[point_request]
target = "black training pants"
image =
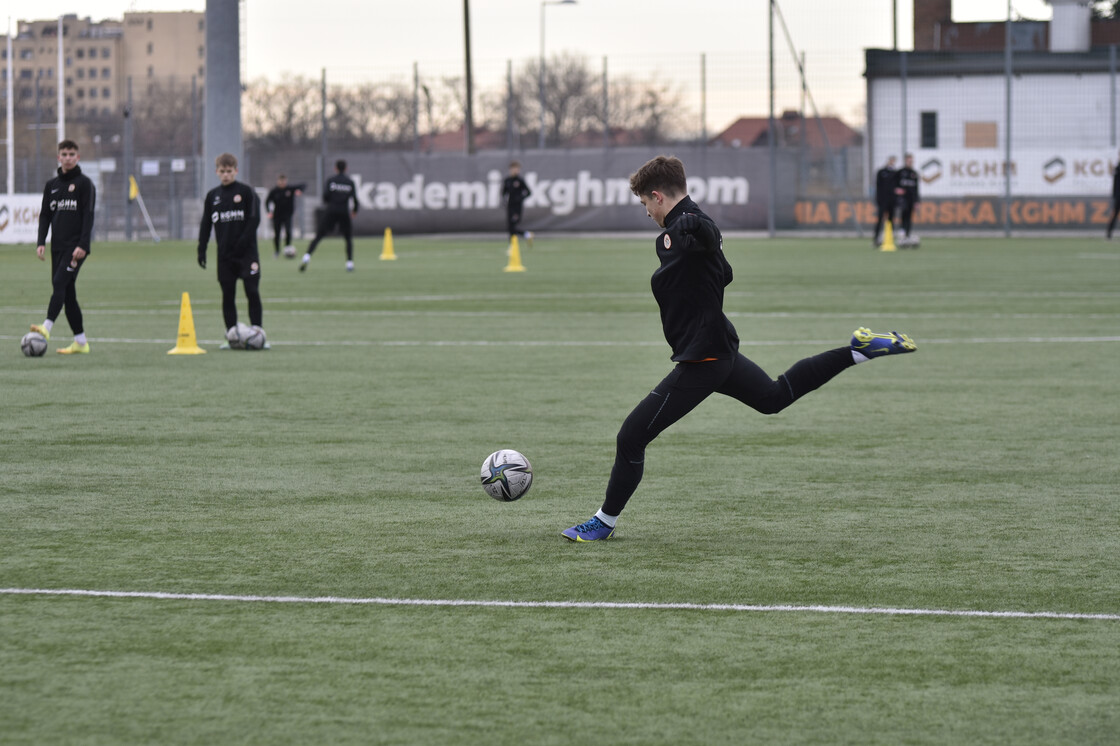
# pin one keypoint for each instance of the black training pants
(64, 293)
(691, 383)
(249, 272)
(327, 224)
(281, 223)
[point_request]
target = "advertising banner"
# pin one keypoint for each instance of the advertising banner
(1053, 172)
(980, 213)
(572, 190)
(19, 218)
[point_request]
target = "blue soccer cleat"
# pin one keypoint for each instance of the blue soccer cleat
(873, 344)
(593, 530)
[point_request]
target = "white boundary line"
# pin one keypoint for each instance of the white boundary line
(376, 601)
(591, 343)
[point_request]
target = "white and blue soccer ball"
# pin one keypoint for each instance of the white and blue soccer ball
(238, 335)
(506, 475)
(256, 339)
(33, 344)
(290, 251)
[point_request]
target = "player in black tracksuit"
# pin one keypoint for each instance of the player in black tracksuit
(338, 192)
(233, 210)
(281, 205)
(515, 191)
(886, 179)
(67, 210)
(688, 286)
(907, 191)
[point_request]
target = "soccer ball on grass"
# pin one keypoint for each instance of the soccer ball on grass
(33, 344)
(238, 335)
(290, 251)
(256, 339)
(506, 475)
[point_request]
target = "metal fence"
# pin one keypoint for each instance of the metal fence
(1002, 142)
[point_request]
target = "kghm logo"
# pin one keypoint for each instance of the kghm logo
(931, 170)
(1054, 170)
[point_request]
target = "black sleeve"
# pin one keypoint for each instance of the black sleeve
(252, 217)
(705, 236)
(204, 226)
(354, 194)
(89, 201)
(45, 216)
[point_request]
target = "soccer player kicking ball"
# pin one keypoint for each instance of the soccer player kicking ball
(67, 210)
(234, 211)
(688, 287)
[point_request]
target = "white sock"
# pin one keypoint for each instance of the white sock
(306, 258)
(48, 324)
(349, 265)
(80, 338)
(610, 520)
(858, 357)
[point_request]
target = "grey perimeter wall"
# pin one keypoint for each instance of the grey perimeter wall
(576, 190)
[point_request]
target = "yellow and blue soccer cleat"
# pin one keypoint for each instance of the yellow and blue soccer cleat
(875, 344)
(75, 349)
(40, 329)
(593, 530)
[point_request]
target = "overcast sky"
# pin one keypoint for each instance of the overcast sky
(359, 38)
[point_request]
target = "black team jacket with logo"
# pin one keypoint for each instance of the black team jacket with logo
(337, 193)
(234, 212)
(283, 200)
(68, 201)
(688, 287)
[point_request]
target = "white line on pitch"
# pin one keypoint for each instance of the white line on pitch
(376, 601)
(588, 343)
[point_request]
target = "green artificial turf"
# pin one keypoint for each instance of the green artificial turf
(979, 474)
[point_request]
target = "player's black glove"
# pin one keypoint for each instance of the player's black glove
(202, 260)
(687, 223)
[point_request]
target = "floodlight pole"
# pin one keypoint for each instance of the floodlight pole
(540, 68)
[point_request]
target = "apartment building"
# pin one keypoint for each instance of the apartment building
(99, 58)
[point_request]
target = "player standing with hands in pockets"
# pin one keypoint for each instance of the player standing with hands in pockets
(688, 287)
(68, 201)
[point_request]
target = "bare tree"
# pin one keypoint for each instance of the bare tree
(282, 113)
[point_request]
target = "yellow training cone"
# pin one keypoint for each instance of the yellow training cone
(387, 254)
(888, 238)
(187, 343)
(515, 264)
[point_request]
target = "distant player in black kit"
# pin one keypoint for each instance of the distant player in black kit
(1115, 200)
(281, 205)
(886, 179)
(68, 202)
(688, 287)
(514, 192)
(907, 192)
(338, 192)
(233, 210)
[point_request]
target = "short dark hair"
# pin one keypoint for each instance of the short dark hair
(226, 160)
(515, 164)
(662, 174)
(68, 145)
(340, 165)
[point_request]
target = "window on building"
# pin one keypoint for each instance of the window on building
(105, 53)
(93, 93)
(201, 25)
(93, 73)
(105, 93)
(201, 52)
(929, 129)
(81, 93)
(151, 71)
(151, 47)
(105, 73)
(149, 24)
(92, 52)
(81, 53)
(200, 69)
(26, 74)
(26, 54)
(981, 135)
(81, 72)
